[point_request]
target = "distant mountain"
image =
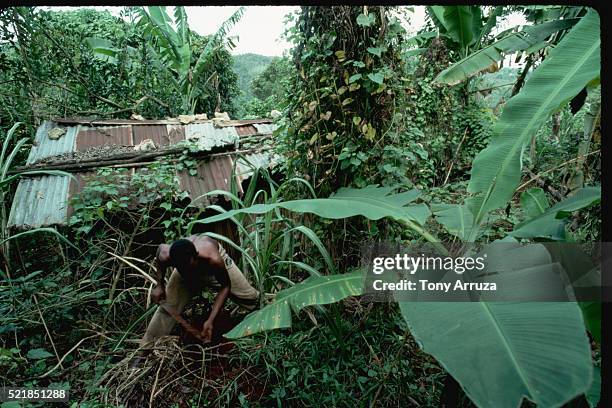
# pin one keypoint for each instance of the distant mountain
(247, 67)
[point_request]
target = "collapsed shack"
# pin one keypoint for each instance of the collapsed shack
(112, 295)
(83, 146)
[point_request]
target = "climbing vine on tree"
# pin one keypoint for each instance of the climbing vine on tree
(346, 86)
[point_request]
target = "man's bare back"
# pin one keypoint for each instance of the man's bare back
(196, 258)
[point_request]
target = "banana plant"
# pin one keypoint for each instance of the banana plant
(571, 66)
(269, 239)
(464, 26)
(530, 38)
(172, 50)
(499, 352)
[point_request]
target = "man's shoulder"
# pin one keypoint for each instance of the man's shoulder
(163, 253)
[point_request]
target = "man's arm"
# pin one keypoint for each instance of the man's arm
(223, 278)
(160, 268)
(158, 294)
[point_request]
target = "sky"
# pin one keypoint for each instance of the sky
(259, 31)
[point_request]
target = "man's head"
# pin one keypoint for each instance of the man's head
(183, 254)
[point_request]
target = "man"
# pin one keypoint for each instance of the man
(198, 262)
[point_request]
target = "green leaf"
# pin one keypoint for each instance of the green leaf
(534, 202)
(371, 202)
(366, 21)
(496, 170)
(376, 50)
(456, 218)
(316, 290)
(354, 78)
(38, 354)
(594, 393)
(460, 22)
(484, 57)
(103, 49)
(502, 351)
(437, 16)
(548, 223)
(377, 77)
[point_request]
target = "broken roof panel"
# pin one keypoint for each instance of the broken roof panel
(212, 175)
(157, 133)
(45, 147)
(264, 128)
(43, 201)
(40, 202)
(209, 136)
(88, 137)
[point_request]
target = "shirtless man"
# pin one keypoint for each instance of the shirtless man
(197, 261)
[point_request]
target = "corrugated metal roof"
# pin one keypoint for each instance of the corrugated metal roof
(246, 130)
(43, 201)
(176, 133)
(88, 137)
(157, 133)
(45, 147)
(264, 127)
(116, 122)
(265, 159)
(40, 201)
(212, 175)
(209, 136)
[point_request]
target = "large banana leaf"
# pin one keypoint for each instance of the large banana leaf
(103, 49)
(534, 202)
(436, 13)
(502, 351)
(570, 66)
(581, 271)
(550, 222)
(371, 202)
(483, 58)
(316, 290)
(456, 218)
(463, 24)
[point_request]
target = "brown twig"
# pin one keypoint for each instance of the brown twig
(47, 330)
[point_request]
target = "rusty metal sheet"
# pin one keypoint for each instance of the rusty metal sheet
(212, 175)
(176, 133)
(157, 133)
(103, 135)
(45, 147)
(40, 202)
(246, 130)
(75, 187)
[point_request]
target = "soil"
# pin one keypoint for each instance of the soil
(220, 369)
(89, 153)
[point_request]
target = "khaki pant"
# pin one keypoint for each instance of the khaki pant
(178, 296)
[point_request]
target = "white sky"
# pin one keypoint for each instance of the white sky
(259, 31)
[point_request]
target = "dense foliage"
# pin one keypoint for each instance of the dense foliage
(382, 136)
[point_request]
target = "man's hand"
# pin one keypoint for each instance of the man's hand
(207, 330)
(158, 294)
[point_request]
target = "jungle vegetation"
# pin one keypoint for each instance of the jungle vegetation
(384, 136)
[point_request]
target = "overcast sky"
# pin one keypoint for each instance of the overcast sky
(259, 31)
